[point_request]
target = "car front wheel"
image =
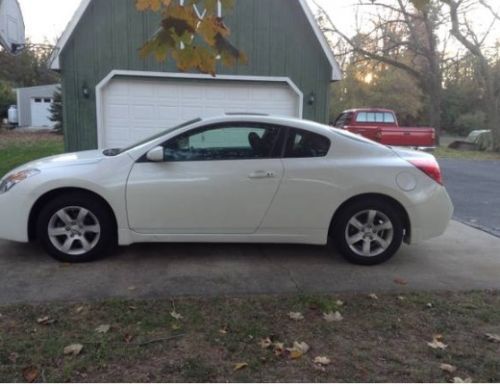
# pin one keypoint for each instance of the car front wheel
(369, 233)
(76, 228)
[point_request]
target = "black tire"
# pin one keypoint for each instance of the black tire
(98, 211)
(341, 232)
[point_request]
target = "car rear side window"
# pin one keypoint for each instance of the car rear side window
(304, 144)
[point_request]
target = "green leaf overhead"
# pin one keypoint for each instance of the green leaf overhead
(192, 34)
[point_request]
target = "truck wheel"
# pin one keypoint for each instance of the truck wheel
(76, 228)
(369, 232)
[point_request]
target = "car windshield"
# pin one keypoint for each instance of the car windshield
(114, 152)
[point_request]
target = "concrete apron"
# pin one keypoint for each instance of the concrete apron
(463, 259)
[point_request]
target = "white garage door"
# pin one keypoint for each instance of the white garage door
(134, 109)
(40, 112)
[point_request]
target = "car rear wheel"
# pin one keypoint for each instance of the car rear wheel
(369, 232)
(76, 228)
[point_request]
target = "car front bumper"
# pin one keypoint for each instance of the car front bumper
(14, 214)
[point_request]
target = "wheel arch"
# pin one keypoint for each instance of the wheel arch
(370, 196)
(48, 196)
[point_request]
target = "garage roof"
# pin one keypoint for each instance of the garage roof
(336, 72)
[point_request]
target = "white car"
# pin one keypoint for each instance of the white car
(238, 178)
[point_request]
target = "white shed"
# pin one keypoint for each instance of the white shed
(33, 104)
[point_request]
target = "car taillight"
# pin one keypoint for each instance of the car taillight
(430, 167)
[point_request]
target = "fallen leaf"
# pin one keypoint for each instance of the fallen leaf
(296, 316)
(176, 316)
(176, 327)
(456, 379)
(279, 348)
(266, 343)
(319, 367)
(103, 329)
(80, 309)
(13, 357)
(224, 331)
(340, 303)
(373, 296)
(132, 288)
(448, 368)
(240, 366)
(400, 281)
(322, 360)
(429, 305)
(132, 307)
(30, 374)
(401, 298)
(493, 338)
(45, 321)
(298, 350)
(333, 317)
(128, 338)
(437, 342)
(73, 350)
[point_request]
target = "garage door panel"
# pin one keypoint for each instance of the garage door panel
(134, 109)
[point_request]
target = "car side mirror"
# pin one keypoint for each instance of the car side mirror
(156, 155)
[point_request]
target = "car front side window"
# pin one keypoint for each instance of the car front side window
(228, 142)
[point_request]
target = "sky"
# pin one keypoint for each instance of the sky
(46, 19)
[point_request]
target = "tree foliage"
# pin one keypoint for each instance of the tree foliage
(7, 98)
(56, 110)
(194, 41)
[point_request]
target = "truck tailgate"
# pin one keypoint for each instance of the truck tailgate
(404, 136)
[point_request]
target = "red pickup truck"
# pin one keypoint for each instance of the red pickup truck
(382, 125)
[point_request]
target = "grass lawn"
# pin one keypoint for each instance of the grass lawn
(19, 148)
(446, 153)
(380, 339)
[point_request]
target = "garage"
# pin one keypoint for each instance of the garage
(40, 113)
(133, 108)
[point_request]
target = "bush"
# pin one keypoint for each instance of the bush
(469, 122)
(7, 98)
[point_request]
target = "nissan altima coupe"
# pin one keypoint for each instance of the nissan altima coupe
(233, 179)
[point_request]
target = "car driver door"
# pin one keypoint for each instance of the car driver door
(220, 179)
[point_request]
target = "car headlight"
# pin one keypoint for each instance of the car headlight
(16, 178)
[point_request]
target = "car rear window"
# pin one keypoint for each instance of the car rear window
(376, 117)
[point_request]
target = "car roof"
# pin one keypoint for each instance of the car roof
(376, 110)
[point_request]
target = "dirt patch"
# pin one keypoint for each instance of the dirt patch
(378, 340)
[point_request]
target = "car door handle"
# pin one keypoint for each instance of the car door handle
(262, 175)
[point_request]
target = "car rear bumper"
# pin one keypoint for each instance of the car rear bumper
(14, 215)
(430, 218)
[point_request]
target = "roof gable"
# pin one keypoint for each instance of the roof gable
(336, 72)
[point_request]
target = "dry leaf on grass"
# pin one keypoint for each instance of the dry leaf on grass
(401, 298)
(296, 316)
(240, 366)
(429, 305)
(437, 343)
(448, 368)
(373, 296)
(30, 374)
(340, 303)
(103, 329)
(176, 327)
(298, 350)
(46, 320)
(493, 338)
(224, 331)
(333, 317)
(73, 350)
(456, 379)
(176, 316)
(132, 307)
(400, 281)
(279, 348)
(13, 357)
(128, 338)
(322, 360)
(80, 309)
(266, 343)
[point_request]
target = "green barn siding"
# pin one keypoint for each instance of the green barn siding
(274, 34)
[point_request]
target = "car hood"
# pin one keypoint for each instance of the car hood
(65, 160)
